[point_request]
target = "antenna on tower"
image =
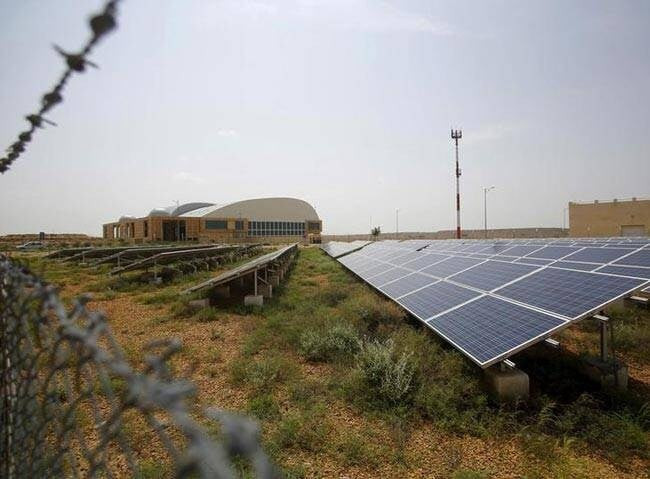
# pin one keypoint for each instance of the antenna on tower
(457, 135)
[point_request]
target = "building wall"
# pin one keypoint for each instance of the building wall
(608, 218)
(195, 229)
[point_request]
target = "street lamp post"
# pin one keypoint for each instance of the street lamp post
(485, 192)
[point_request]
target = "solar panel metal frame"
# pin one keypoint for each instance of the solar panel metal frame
(246, 268)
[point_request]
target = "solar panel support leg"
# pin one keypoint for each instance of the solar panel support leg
(255, 282)
(604, 345)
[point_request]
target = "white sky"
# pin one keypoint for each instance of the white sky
(344, 103)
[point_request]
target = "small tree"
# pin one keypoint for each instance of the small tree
(375, 232)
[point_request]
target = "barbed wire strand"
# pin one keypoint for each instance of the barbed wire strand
(100, 24)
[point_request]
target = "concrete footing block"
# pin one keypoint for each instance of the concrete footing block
(508, 385)
(221, 292)
(265, 290)
(253, 300)
(608, 374)
(274, 280)
(200, 303)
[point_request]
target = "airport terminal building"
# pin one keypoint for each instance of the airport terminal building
(265, 220)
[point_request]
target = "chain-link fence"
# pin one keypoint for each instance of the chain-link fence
(73, 405)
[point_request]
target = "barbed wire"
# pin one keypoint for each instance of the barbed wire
(71, 401)
(100, 24)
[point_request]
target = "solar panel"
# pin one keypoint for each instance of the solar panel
(405, 258)
(435, 299)
(569, 293)
(370, 272)
(425, 260)
(598, 255)
(574, 265)
(405, 285)
(494, 249)
(488, 328)
(492, 308)
(388, 276)
(492, 274)
(626, 271)
(534, 261)
(451, 266)
(640, 258)
(552, 252)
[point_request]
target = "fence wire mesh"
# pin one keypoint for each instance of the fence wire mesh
(73, 405)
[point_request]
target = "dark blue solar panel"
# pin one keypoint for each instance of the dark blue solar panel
(387, 276)
(361, 266)
(520, 250)
(451, 266)
(405, 285)
(488, 328)
(492, 274)
(380, 268)
(495, 248)
(424, 261)
(552, 252)
(573, 265)
(597, 255)
(534, 261)
(435, 299)
(405, 258)
(626, 271)
(640, 258)
(569, 293)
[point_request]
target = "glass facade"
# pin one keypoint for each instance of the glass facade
(276, 228)
(216, 225)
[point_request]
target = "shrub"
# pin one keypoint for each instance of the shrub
(355, 451)
(389, 375)
(208, 314)
(263, 407)
(338, 342)
(304, 430)
(332, 295)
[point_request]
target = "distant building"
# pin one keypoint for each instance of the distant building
(610, 218)
(265, 220)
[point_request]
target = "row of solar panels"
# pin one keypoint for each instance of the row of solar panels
(168, 257)
(492, 300)
(246, 268)
(340, 248)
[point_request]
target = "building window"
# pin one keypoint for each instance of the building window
(216, 225)
(239, 225)
(313, 226)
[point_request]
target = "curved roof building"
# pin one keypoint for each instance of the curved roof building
(260, 219)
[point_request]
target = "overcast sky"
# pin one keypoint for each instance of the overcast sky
(344, 103)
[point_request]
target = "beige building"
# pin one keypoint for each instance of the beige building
(610, 218)
(266, 220)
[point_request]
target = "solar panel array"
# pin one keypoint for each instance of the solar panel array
(180, 255)
(491, 299)
(339, 248)
(246, 268)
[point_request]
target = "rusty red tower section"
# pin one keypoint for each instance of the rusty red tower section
(457, 135)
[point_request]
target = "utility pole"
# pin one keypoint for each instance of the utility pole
(485, 192)
(457, 135)
(396, 223)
